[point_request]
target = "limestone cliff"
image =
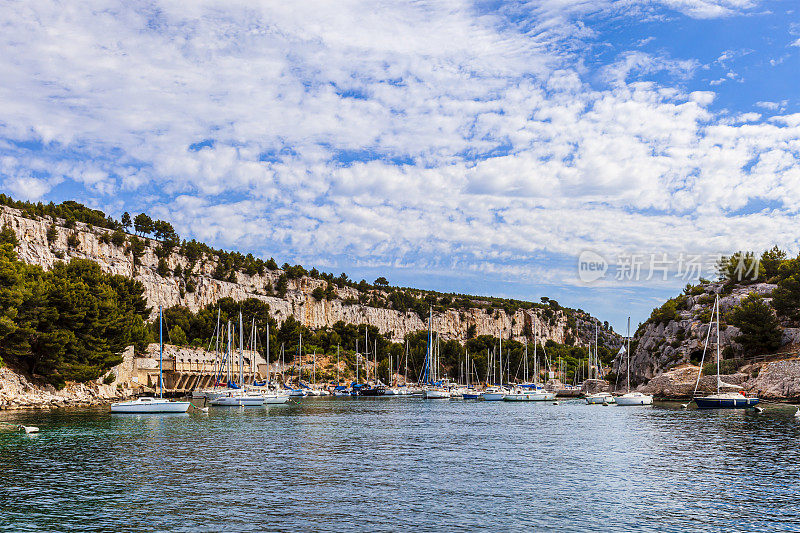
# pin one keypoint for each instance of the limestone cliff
(168, 290)
(660, 345)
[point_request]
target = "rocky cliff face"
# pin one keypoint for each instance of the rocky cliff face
(662, 345)
(169, 290)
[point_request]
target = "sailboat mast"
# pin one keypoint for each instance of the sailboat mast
(405, 374)
(629, 354)
(717, 305)
(337, 364)
(230, 359)
(596, 353)
(266, 353)
(241, 350)
(160, 352)
(535, 342)
(501, 356)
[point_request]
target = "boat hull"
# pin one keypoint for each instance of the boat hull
(471, 395)
(638, 400)
(436, 394)
(276, 399)
(726, 403)
(597, 400)
(493, 396)
(237, 401)
(156, 406)
(530, 397)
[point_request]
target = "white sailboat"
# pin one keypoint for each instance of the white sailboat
(433, 390)
(597, 398)
(496, 394)
(149, 404)
(239, 397)
(632, 398)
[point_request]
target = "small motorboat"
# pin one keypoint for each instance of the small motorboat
(600, 398)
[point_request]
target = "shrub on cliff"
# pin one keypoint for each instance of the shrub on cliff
(760, 331)
(786, 296)
(667, 312)
(52, 233)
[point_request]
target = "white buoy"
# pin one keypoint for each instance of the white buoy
(555, 403)
(797, 414)
(28, 429)
(685, 405)
(758, 409)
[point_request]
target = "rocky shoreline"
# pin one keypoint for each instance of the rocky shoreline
(18, 391)
(777, 381)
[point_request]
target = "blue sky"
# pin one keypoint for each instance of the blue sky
(475, 147)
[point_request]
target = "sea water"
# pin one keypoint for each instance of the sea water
(401, 464)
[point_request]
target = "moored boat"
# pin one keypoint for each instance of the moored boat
(436, 393)
(720, 400)
(239, 399)
(522, 394)
(634, 398)
(599, 398)
(726, 400)
(494, 394)
(148, 404)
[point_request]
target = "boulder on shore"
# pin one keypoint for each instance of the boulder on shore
(776, 380)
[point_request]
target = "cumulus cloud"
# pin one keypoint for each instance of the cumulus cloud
(434, 136)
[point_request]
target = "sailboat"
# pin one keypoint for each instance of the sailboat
(150, 404)
(596, 398)
(632, 398)
(720, 400)
(240, 397)
(496, 394)
(433, 389)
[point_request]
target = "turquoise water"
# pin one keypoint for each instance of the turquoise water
(394, 464)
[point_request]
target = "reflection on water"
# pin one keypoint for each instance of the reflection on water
(403, 463)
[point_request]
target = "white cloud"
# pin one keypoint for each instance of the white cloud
(425, 135)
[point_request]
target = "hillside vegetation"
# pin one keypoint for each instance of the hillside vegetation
(759, 306)
(199, 259)
(68, 323)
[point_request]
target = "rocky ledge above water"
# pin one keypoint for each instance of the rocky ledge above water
(773, 380)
